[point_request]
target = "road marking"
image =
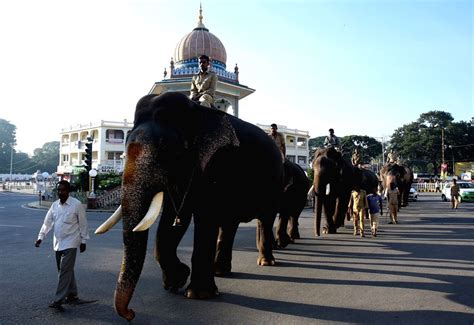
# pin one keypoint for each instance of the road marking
(14, 226)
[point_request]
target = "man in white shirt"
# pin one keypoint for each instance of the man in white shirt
(68, 218)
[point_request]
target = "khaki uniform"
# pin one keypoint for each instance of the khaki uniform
(454, 196)
(203, 88)
(279, 139)
(358, 204)
(356, 159)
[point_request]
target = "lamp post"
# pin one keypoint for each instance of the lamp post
(452, 156)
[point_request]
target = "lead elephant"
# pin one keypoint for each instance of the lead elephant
(402, 176)
(197, 162)
(334, 179)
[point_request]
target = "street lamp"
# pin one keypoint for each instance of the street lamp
(11, 162)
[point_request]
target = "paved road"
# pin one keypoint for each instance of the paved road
(420, 271)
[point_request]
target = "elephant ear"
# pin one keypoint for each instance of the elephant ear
(218, 133)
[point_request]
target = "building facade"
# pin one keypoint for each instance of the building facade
(296, 141)
(108, 146)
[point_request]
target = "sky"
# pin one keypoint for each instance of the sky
(362, 67)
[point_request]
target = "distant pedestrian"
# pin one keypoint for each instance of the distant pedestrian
(437, 187)
(358, 205)
(454, 194)
(392, 194)
(375, 210)
(68, 218)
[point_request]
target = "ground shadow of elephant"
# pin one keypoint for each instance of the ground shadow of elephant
(191, 161)
(334, 179)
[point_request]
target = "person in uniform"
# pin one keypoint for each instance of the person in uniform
(358, 205)
(356, 158)
(331, 141)
(203, 84)
(454, 194)
(279, 139)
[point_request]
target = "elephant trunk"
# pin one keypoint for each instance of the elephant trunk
(132, 265)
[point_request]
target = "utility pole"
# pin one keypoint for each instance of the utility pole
(11, 165)
(442, 145)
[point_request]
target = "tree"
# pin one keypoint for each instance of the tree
(369, 147)
(314, 144)
(47, 157)
(420, 142)
(7, 142)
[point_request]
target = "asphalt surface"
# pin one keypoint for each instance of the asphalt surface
(420, 271)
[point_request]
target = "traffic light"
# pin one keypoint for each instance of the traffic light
(88, 156)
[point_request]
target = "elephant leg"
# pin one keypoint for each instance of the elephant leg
(282, 238)
(202, 284)
(225, 242)
(329, 210)
(293, 230)
(319, 212)
(175, 273)
(265, 240)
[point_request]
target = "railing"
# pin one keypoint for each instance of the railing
(428, 187)
(110, 198)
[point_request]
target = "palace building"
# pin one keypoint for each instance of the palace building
(109, 137)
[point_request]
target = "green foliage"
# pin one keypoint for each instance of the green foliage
(369, 147)
(419, 143)
(7, 142)
(46, 158)
(108, 181)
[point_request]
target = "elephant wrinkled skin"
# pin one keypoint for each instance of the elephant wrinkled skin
(212, 167)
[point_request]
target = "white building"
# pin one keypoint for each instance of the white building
(108, 146)
(297, 149)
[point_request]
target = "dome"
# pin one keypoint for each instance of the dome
(200, 41)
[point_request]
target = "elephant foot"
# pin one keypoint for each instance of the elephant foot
(193, 293)
(263, 261)
(325, 230)
(222, 270)
(283, 241)
(295, 235)
(176, 278)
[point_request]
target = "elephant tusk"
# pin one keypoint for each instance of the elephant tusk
(328, 189)
(152, 214)
(109, 223)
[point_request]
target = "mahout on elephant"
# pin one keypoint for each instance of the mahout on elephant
(334, 179)
(191, 161)
(291, 202)
(402, 176)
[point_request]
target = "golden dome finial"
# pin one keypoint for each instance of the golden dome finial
(200, 24)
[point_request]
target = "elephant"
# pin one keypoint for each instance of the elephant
(402, 176)
(334, 179)
(192, 162)
(292, 200)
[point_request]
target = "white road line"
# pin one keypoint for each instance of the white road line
(14, 226)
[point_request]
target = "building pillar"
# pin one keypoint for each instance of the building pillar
(236, 107)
